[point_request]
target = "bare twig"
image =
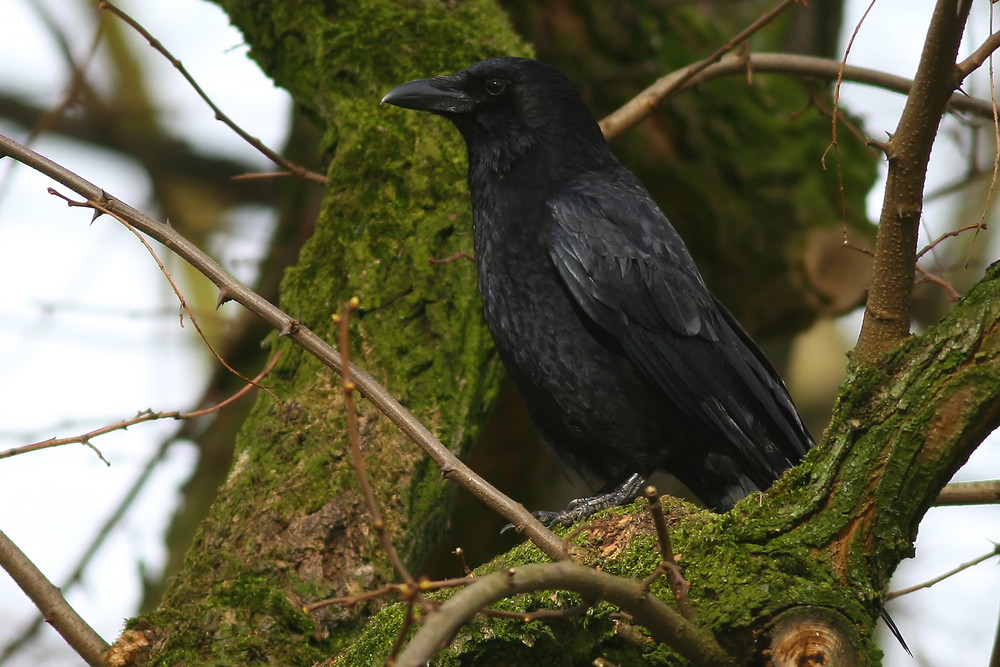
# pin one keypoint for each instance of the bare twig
(969, 493)
(460, 554)
(98, 209)
(949, 290)
(678, 585)
(640, 106)
(270, 154)
(835, 125)
(979, 56)
(342, 320)
(231, 289)
(77, 633)
(964, 566)
(926, 274)
(461, 254)
(144, 416)
(404, 591)
(954, 232)
(993, 42)
(404, 629)
(100, 535)
(538, 614)
(77, 82)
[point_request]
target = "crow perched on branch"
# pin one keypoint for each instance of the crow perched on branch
(626, 362)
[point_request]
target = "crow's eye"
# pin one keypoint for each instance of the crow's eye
(495, 86)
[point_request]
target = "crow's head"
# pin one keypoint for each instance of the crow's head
(505, 99)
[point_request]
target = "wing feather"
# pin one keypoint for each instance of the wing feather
(630, 273)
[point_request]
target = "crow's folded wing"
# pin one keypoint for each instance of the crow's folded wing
(628, 271)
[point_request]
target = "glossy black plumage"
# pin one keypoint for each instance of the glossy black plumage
(626, 362)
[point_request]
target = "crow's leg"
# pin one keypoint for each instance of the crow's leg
(581, 508)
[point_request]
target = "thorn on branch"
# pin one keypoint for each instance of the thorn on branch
(883, 146)
(224, 296)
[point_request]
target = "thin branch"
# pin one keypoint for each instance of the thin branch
(835, 124)
(403, 590)
(539, 614)
(77, 81)
(270, 154)
(640, 106)
(969, 493)
(979, 56)
(231, 289)
(98, 209)
(144, 416)
(996, 145)
(678, 586)
(664, 624)
(950, 573)
(100, 535)
(955, 232)
(926, 274)
(47, 598)
(342, 320)
(404, 630)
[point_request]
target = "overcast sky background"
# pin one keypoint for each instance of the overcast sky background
(89, 329)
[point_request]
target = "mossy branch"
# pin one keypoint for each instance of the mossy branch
(664, 623)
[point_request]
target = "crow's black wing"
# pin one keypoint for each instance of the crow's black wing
(629, 272)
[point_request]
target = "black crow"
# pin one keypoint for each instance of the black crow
(626, 362)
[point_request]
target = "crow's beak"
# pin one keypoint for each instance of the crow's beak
(426, 95)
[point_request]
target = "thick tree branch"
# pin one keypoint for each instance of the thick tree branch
(925, 408)
(887, 315)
